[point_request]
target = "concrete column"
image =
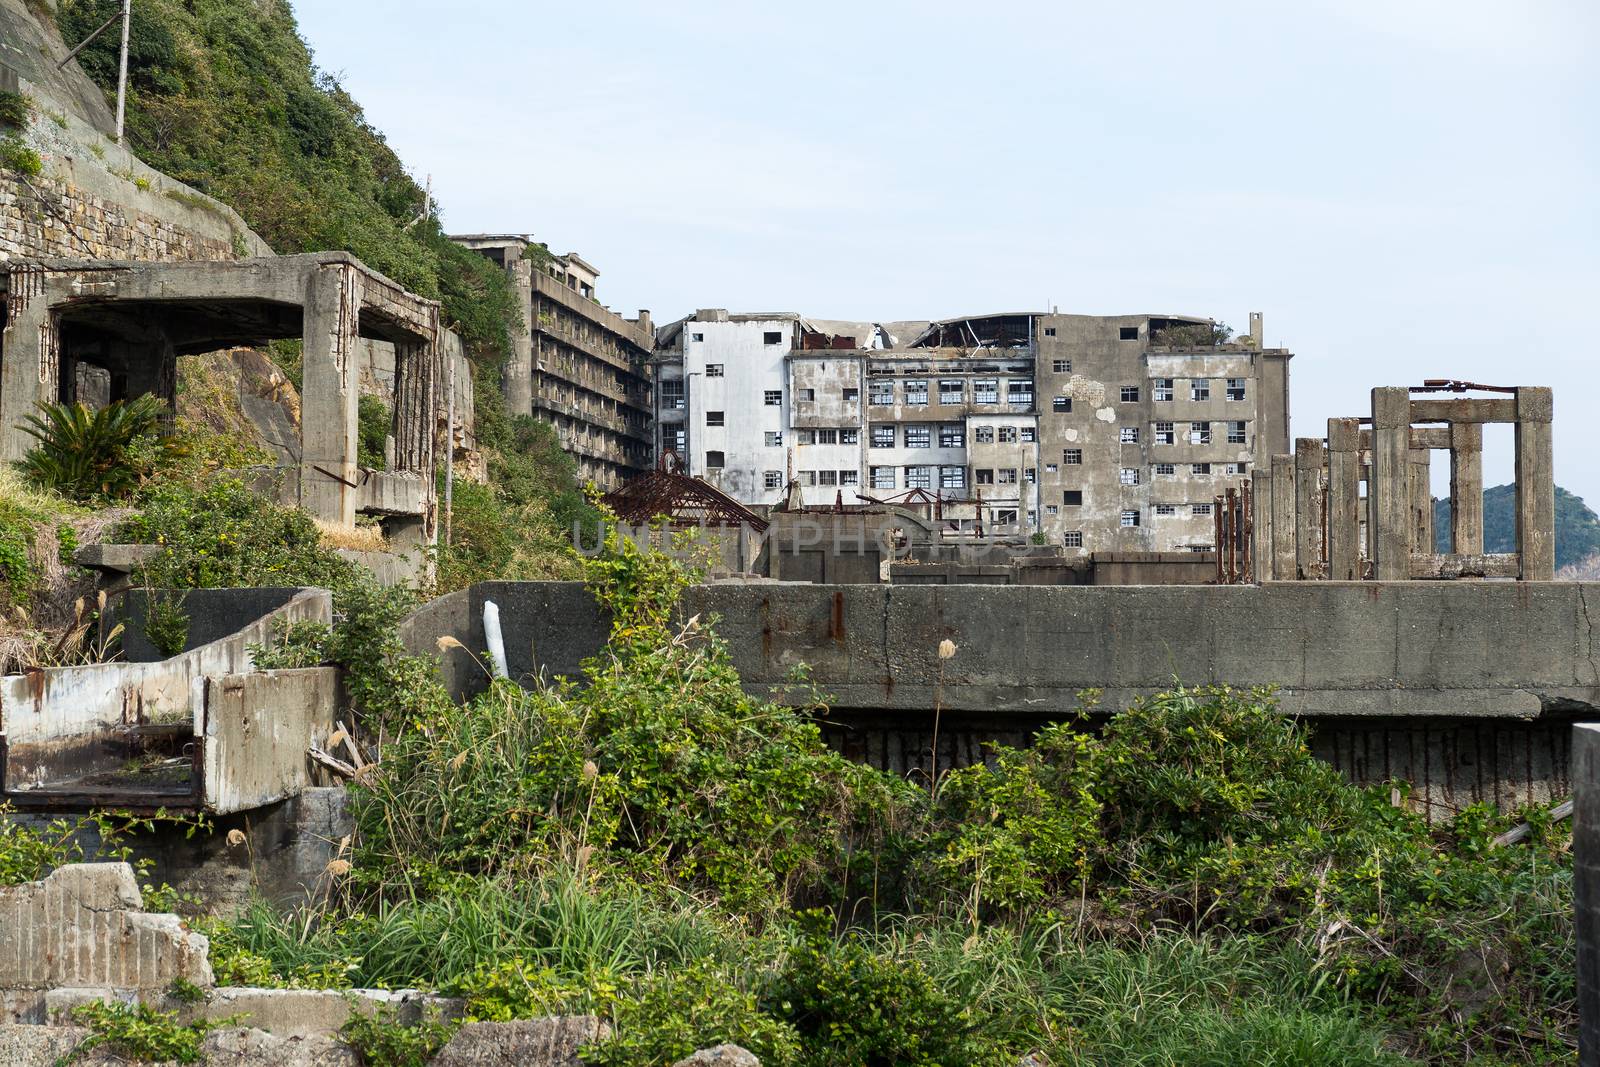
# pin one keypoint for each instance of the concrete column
(1344, 500)
(1261, 519)
(1586, 885)
(1308, 524)
(1536, 487)
(152, 369)
(30, 360)
(1466, 488)
(328, 475)
(1422, 539)
(1283, 518)
(517, 379)
(1389, 526)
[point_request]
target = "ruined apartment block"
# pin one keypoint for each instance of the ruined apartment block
(576, 365)
(1098, 433)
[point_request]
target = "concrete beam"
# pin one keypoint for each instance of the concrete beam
(329, 480)
(1462, 409)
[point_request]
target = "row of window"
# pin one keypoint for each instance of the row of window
(844, 479)
(845, 436)
(1018, 391)
(951, 435)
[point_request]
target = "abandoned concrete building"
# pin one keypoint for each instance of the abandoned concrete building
(577, 364)
(1098, 433)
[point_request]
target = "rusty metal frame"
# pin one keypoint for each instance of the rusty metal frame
(680, 499)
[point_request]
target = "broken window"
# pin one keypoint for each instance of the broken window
(772, 398)
(808, 395)
(827, 437)
(1051, 509)
(808, 477)
(827, 477)
(1072, 498)
(1029, 435)
(1049, 331)
(918, 435)
(672, 395)
(1007, 517)
(852, 395)
(1164, 433)
(850, 437)
(1161, 389)
(916, 391)
(881, 393)
(952, 435)
(772, 480)
(1165, 469)
(714, 418)
(1020, 392)
(1129, 476)
(713, 370)
(849, 478)
(952, 390)
(1061, 404)
(1129, 435)
(1200, 548)
(919, 477)
(1130, 394)
(883, 478)
(1128, 333)
(952, 477)
(986, 391)
(1200, 389)
(1130, 518)
(1236, 434)
(1166, 509)
(1008, 435)
(1200, 509)
(983, 435)
(1006, 476)
(1030, 475)
(775, 438)
(883, 435)
(983, 476)
(1236, 468)
(772, 337)
(1199, 468)
(1061, 366)
(1072, 456)
(1050, 468)
(714, 460)
(1199, 433)
(1235, 388)
(1072, 539)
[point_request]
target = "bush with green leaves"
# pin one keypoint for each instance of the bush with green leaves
(104, 454)
(139, 1032)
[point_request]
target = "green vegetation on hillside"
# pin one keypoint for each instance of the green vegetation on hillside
(224, 96)
(1577, 528)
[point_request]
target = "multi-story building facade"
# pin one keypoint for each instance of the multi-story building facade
(1099, 433)
(577, 365)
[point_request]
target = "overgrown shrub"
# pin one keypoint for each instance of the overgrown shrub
(106, 454)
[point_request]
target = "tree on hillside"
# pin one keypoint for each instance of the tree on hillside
(1577, 528)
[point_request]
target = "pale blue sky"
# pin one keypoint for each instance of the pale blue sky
(1406, 188)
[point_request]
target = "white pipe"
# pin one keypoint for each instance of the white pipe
(494, 638)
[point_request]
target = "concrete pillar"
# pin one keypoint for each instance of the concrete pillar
(1308, 509)
(517, 378)
(328, 475)
(1536, 487)
(1586, 885)
(1422, 539)
(1261, 524)
(30, 359)
(152, 369)
(1466, 488)
(1389, 526)
(1283, 518)
(1344, 500)
(416, 398)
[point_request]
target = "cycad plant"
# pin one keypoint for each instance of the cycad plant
(103, 454)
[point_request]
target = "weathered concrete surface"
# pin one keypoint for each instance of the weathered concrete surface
(549, 1042)
(1341, 649)
(214, 614)
(281, 1012)
(45, 1046)
(1586, 876)
(82, 926)
(65, 730)
(721, 1056)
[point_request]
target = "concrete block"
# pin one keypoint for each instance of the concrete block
(549, 1042)
(22, 1045)
(81, 927)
